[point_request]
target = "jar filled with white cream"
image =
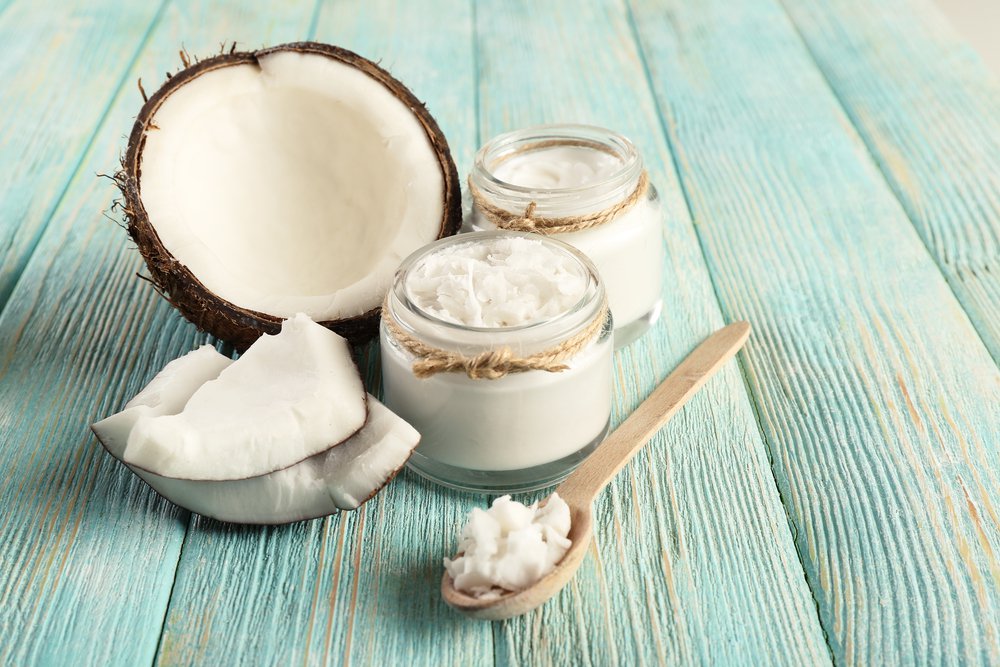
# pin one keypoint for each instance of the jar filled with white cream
(586, 186)
(497, 348)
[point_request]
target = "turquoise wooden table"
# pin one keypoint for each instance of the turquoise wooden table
(830, 172)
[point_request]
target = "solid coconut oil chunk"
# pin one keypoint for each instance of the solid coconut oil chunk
(290, 396)
(341, 478)
(508, 282)
(510, 546)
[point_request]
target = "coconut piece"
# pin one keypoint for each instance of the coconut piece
(290, 179)
(342, 478)
(290, 396)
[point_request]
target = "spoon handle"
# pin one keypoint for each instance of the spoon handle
(599, 468)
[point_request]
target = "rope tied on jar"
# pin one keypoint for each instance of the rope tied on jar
(529, 222)
(491, 364)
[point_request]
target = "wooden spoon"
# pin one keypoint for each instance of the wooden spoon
(598, 469)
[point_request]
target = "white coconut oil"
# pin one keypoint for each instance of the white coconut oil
(570, 171)
(520, 297)
(510, 546)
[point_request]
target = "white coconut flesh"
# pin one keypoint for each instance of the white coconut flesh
(294, 186)
(341, 478)
(290, 396)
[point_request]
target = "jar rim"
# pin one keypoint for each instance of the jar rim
(562, 325)
(506, 144)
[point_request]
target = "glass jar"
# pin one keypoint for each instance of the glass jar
(594, 180)
(518, 432)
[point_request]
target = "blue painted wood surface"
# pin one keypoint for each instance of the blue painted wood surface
(875, 394)
(57, 79)
(834, 497)
(926, 107)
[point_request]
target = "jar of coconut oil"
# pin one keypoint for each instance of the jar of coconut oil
(497, 348)
(587, 187)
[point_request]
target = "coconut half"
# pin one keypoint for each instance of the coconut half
(341, 478)
(292, 179)
(290, 396)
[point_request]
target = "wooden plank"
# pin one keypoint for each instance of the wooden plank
(57, 80)
(875, 394)
(88, 552)
(359, 587)
(693, 559)
(929, 111)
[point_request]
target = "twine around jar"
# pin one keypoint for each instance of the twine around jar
(492, 364)
(529, 222)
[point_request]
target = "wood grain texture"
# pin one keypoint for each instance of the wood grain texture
(929, 111)
(361, 587)
(693, 560)
(88, 552)
(877, 398)
(62, 62)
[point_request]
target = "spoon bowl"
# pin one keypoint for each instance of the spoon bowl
(581, 488)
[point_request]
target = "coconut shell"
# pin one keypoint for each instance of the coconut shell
(175, 282)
